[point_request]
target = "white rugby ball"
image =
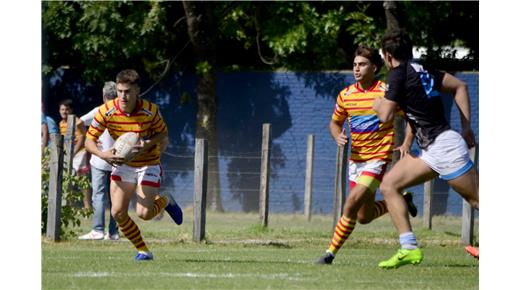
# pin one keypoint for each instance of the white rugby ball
(124, 144)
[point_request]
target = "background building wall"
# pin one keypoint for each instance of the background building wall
(295, 103)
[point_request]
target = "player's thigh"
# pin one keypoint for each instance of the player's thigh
(408, 171)
(367, 206)
(357, 197)
(146, 195)
(466, 184)
(120, 195)
(149, 181)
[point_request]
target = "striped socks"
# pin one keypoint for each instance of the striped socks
(132, 232)
(344, 228)
(159, 203)
(379, 209)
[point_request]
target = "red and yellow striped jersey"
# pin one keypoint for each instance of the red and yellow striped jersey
(77, 133)
(144, 120)
(371, 139)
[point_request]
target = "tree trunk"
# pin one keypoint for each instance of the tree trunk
(393, 15)
(202, 33)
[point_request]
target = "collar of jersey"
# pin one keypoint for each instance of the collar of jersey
(374, 84)
(137, 108)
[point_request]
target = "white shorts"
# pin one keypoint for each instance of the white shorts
(368, 173)
(149, 175)
(448, 155)
(79, 162)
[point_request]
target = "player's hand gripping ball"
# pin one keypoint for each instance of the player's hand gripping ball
(124, 145)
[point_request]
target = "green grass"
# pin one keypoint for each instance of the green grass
(240, 254)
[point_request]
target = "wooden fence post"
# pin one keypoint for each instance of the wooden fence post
(70, 135)
(468, 214)
(308, 177)
(340, 185)
(201, 189)
(55, 189)
(264, 174)
(427, 203)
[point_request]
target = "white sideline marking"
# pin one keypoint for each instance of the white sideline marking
(283, 276)
(92, 274)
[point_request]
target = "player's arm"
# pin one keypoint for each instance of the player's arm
(97, 127)
(407, 142)
(459, 90)
(108, 156)
(385, 109)
(156, 139)
(387, 106)
(160, 133)
(164, 144)
(92, 148)
(338, 118)
(337, 132)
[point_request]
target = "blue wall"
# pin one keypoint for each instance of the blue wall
(296, 104)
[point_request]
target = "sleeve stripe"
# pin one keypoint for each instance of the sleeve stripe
(92, 136)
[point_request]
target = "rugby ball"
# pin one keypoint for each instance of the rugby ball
(124, 144)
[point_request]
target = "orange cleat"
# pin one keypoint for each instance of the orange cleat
(472, 251)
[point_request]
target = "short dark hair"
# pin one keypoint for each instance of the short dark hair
(398, 44)
(128, 76)
(66, 103)
(370, 53)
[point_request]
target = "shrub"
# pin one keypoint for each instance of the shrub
(72, 199)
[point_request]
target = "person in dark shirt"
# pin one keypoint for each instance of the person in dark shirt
(444, 152)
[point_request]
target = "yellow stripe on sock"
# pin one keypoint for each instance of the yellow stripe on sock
(132, 233)
(159, 203)
(343, 229)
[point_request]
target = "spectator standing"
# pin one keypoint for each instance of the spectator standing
(100, 177)
(79, 163)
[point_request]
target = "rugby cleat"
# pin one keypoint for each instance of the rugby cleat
(473, 251)
(408, 197)
(174, 210)
(403, 257)
(144, 256)
(326, 259)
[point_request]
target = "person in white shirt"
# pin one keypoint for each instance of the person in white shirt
(100, 174)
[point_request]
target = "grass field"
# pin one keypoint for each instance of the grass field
(240, 254)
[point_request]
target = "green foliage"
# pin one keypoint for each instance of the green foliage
(103, 36)
(203, 68)
(72, 210)
(363, 27)
(100, 37)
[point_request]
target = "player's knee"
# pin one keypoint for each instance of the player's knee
(385, 187)
(119, 215)
(144, 214)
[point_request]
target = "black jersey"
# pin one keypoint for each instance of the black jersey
(417, 92)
